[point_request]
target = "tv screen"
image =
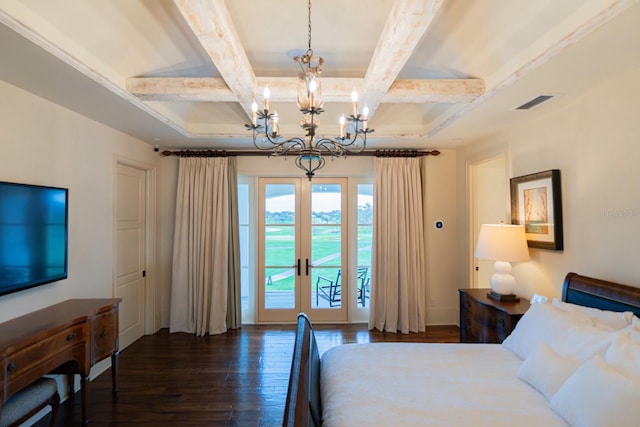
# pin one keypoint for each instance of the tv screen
(33, 235)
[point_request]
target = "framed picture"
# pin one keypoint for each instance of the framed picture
(536, 203)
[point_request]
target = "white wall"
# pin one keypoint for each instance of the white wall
(42, 143)
(442, 244)
(595, 144)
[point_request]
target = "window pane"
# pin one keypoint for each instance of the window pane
(244, 245)
(365, 203)
(243, 203)
(244, 287)
(365, 242)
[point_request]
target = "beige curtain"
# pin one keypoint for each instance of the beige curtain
(205, 279)
(399, 273)
(234, 303)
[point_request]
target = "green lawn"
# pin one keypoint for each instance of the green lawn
(280, 256)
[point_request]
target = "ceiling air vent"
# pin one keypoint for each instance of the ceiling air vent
(534, 102)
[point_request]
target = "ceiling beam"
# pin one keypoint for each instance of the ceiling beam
(434, 91)
(212, 25)
(407, 23)
(212, 89)
(284, 89)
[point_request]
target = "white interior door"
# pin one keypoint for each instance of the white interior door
(489, 199)
(130, 241)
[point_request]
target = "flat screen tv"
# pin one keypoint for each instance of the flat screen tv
(33, 235)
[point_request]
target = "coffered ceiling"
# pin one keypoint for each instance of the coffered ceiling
(434, 73)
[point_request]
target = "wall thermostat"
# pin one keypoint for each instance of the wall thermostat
(438, 225)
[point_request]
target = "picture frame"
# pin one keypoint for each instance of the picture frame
(536, 203)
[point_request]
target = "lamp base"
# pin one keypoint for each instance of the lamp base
(502, 297)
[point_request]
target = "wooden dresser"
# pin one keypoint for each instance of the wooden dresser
(483, 320)
(69, 337)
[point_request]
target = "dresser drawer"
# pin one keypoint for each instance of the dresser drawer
(486, 321)
(104, 335)
(469, 328)
(45, 355)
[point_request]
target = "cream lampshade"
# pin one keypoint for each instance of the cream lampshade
(503, 244)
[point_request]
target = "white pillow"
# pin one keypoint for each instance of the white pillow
(612, 319)
(624, 353)
(598, 395)
(545, 370)
(540, 323)
(581, 341)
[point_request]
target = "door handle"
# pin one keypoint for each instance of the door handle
(298, 266)
(307, 266)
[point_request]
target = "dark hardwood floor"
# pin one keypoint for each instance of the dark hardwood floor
(237, 379)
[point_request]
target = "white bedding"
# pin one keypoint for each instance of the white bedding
(405, 384)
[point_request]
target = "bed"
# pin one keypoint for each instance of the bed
(584, 348)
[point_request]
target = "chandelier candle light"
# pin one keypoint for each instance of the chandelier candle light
(308, 149)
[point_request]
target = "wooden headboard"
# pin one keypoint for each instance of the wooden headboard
(598, 293)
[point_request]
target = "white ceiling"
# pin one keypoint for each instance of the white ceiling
(408, 58)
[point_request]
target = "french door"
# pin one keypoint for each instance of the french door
(302, 249)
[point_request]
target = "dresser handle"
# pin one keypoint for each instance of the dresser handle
(12, 367)
(103, 333)
(70, 337)
(468, 303)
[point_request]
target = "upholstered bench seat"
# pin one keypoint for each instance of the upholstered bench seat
(28, 401)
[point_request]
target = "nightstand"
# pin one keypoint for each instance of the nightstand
(483, 320)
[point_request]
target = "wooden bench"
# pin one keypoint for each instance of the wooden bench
(29, 401)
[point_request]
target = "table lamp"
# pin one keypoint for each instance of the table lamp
(503, 244)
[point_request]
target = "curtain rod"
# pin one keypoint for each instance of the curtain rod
(225, 153)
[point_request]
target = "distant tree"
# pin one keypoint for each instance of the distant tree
(284, 217)
(365, 214)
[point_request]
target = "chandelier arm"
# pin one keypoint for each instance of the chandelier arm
(290, 145)
(333, 147)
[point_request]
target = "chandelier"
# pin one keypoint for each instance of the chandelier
(309, 149)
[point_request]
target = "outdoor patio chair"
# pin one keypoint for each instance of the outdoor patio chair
(329, 289)
(363, 285)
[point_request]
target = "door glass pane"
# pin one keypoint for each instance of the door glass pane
(365, 243)
(279, 246)
(326, 245)
(326, 288)
(280, 204)
(279, 288)
(326, 204)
